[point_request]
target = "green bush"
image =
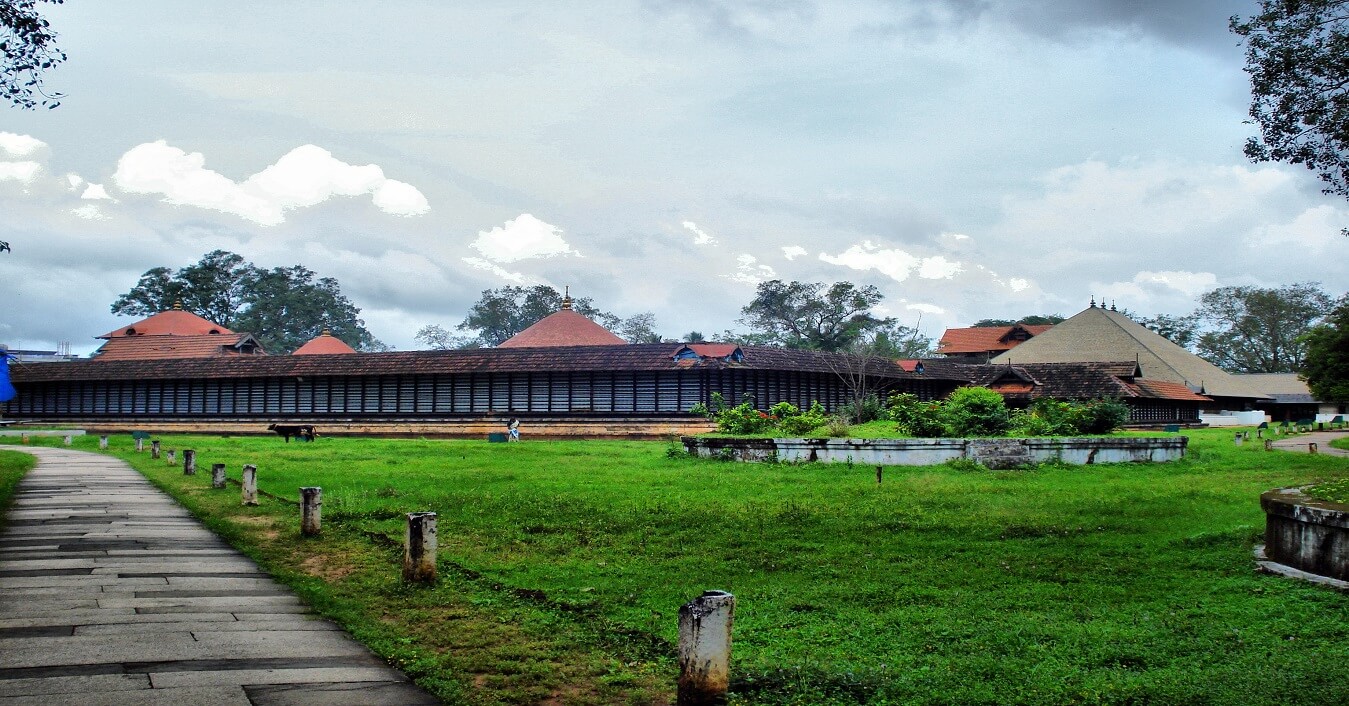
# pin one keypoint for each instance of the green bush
(1049, 417)
(914, 416)
(867, 409)
(744, 419)
(975, 411)
(1104, 416)
(794, 422)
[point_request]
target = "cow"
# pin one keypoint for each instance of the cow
(299, 431)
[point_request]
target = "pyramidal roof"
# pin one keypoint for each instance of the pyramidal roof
(1099, 334)
(174, 322)
(324, 344)
(563, 328)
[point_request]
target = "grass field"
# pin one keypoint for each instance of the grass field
(13, 466)
(564, 564)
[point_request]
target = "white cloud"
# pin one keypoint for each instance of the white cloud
(791, 252)
(89, 212)
(700, 236)
(75, 180)
(748, 271)
(497, 270)
(19, 145)
(1017, 284)
(925, 308)
(893, 262)
(95, 192)
(19, 171)
(1191, 284)
(522, 238)
(305, 176)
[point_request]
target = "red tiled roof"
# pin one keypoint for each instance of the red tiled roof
(563, 328)
(712, 350)
(174, 322)
(324, 344)
(127, 348)
(1167, 390)
(984, 339)
(639, 357)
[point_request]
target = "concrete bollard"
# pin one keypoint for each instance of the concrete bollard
(102, 442)
(1239, 439)
(170, 456)
(217, 475)
(1311, 447)
(705, 649)
(140, 445)
(311, 511)
(250, 485)
(154, 449)
(878, 475)
(1269, 444)
(419, 548)
(23, 438)
(189, 462)
(68, 440)
(1259, 433)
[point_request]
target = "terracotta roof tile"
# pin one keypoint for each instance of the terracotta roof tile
(175, 322)
(165, 347)
(989, 339)
(324, 344)
(563, 328)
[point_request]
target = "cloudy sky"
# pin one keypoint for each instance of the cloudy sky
(971, 158)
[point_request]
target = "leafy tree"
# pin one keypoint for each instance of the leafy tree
(1257, 330)
(639, 328)
(1297, 54)
(1326, 365)
(1032, 320)
(437, 338)
(694, 337)
(503, 312)
(1180, 330)
(896, 341)
(27, 49)
(813, 315)
(288, 306)
(284, 307)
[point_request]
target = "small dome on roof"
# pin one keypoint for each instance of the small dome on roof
(563, 328)
(174, 322)
(324, 344)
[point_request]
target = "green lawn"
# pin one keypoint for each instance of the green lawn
(13, 466)
(565, 564)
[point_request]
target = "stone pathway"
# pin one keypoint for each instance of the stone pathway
(111, 593)
(1321, 438)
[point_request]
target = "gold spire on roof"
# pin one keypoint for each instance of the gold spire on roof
(177, 304)
(566, 298)
(326, 332)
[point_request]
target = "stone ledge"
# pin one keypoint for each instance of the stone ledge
(992, 452)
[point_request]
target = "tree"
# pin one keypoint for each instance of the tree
(283, 307)
(501, 313)
(1180, 330)
(1326, 366)
(898, 342)
(694, 337)
(1032, 320)
(1296, 55)
(813, 315)
(638, 328)
(1256, 330)
(27, 49)
(436, 338)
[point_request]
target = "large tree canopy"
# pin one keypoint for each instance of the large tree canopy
(1032, 320)
(1326, 368)
(1180, 330)
(503, 312)
(1257, 330)
(27, 50)
(1297, 54)
(284, 306)
(812, 314)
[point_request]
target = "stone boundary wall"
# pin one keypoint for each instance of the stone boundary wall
(994, 453)
(531, 428)
(1305, 533)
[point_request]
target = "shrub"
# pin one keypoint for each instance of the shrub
(975, 411)
(838, 426)
(744, 419)
(1104, 416)
(1049, 417)
(915, 417)
(864, 410)
(801, 422)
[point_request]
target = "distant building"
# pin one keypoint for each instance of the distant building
(1290, 398)
(1102, 335)
(174, 334)
(981, 344)
(24, 355)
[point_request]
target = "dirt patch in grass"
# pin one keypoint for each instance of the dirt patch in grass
(328, 568)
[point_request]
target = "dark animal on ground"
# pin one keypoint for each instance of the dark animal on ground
(299, 431)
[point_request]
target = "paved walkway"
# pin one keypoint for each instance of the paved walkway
(111, 593)
(1321, 438)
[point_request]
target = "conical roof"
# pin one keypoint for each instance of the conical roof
(563, 328)
(174, 322)
(324, 344)
(1099, 334)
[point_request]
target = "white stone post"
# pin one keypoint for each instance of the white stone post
(311, 511)
(217, 475)
(103, 442)
(154, 449)
(419, 548)
(140, 444)
(1239, 439)
(1311, 447)
(68, 440)
(250, 485)
(169, 456)
(1269, 444)
(705, 649)
(189, 462)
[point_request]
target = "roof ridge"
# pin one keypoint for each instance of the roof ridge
(1145, 345)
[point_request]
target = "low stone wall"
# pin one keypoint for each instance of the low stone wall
(994, 453)
(1306, 534)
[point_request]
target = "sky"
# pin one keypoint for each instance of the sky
(971, 159)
